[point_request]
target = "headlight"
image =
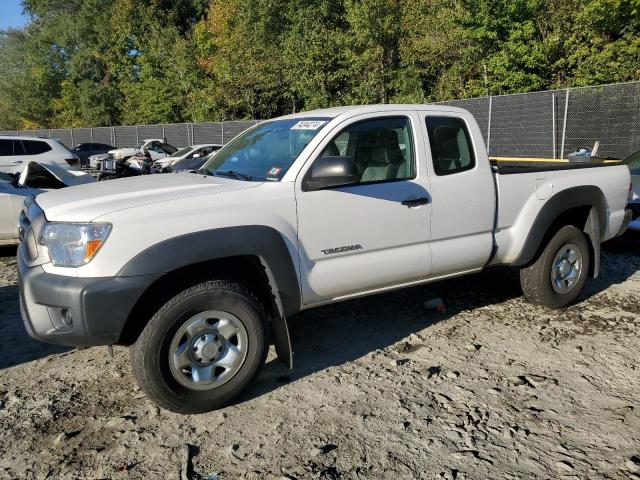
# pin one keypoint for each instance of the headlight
(73, 244)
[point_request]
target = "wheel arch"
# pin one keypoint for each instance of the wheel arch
(584, 207)
(256, 256)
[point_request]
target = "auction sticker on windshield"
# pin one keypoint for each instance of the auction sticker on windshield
(308, 124)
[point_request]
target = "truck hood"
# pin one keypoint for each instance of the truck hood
(87, 202)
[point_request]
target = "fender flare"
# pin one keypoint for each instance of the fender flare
(563, 201)
(266, 243)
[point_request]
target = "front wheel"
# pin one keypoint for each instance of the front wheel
(202, 348)
(558, 274)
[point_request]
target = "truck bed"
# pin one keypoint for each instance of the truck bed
(524, 188)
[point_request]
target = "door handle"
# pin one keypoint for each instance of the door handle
(415, 202)
(16, 161)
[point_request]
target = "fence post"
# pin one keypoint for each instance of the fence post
(553, 122)
(164, 137)
(137, 137)
(222, 127)
(113, 136)
(564, 125)
(489, 124)
(72, 144)
(91, 134)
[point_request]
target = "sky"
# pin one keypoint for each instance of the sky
(11, 14)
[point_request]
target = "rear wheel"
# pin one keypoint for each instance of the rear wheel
(202, 348)
(557, 276)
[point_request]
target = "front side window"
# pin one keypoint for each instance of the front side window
(451, 148)
(34, 147)
(266, 151)
(381, 148)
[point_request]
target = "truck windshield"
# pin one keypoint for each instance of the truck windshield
(266, 151)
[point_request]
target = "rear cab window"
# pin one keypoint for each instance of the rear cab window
(450, 144)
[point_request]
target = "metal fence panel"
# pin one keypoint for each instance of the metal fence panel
(150, 131)
(102, 135)
(209, 132)
(125, 137)
(177, 134)
(233, 129)
(81, 135)
(608, 114)
(522, 125)
(64, 135)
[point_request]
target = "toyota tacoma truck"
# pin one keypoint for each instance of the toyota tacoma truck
(198, 272)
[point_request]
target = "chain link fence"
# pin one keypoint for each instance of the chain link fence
(177, 134)
(554, 123)
(548, 124)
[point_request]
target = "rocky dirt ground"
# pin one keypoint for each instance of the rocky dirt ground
(383, 388)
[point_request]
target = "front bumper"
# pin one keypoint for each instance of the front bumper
(76, 311)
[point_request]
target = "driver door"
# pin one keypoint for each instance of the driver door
(368, 235)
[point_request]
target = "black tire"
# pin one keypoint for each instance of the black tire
(536, 279)
(150, 353)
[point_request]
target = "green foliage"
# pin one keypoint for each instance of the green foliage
(104, 62)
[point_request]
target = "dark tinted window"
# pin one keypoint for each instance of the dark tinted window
(18, 148)
(6, 148)
(83, 147)
(451, 147)
(35, 147)
(382, 148)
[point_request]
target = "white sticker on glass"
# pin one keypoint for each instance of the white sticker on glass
(308, 124)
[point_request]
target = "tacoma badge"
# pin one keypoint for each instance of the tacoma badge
(348, 248)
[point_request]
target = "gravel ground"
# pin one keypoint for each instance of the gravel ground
(383, 388)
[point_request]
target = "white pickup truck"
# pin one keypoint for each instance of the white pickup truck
(199, 271)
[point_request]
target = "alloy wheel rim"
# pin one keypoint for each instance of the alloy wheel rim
(208, 350)
(566, 268)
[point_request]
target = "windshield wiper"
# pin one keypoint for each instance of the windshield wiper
(232, 173)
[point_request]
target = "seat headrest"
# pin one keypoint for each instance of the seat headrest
(446, 141)
(381, 147)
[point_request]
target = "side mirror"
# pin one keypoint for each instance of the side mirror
(331, 172)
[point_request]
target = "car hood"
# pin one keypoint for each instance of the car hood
(87, 202)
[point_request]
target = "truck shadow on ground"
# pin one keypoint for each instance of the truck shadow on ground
(16, 346)
(336, 334)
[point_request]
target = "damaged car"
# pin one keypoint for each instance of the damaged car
(36, 178)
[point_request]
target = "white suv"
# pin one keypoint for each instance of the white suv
(16, 152)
